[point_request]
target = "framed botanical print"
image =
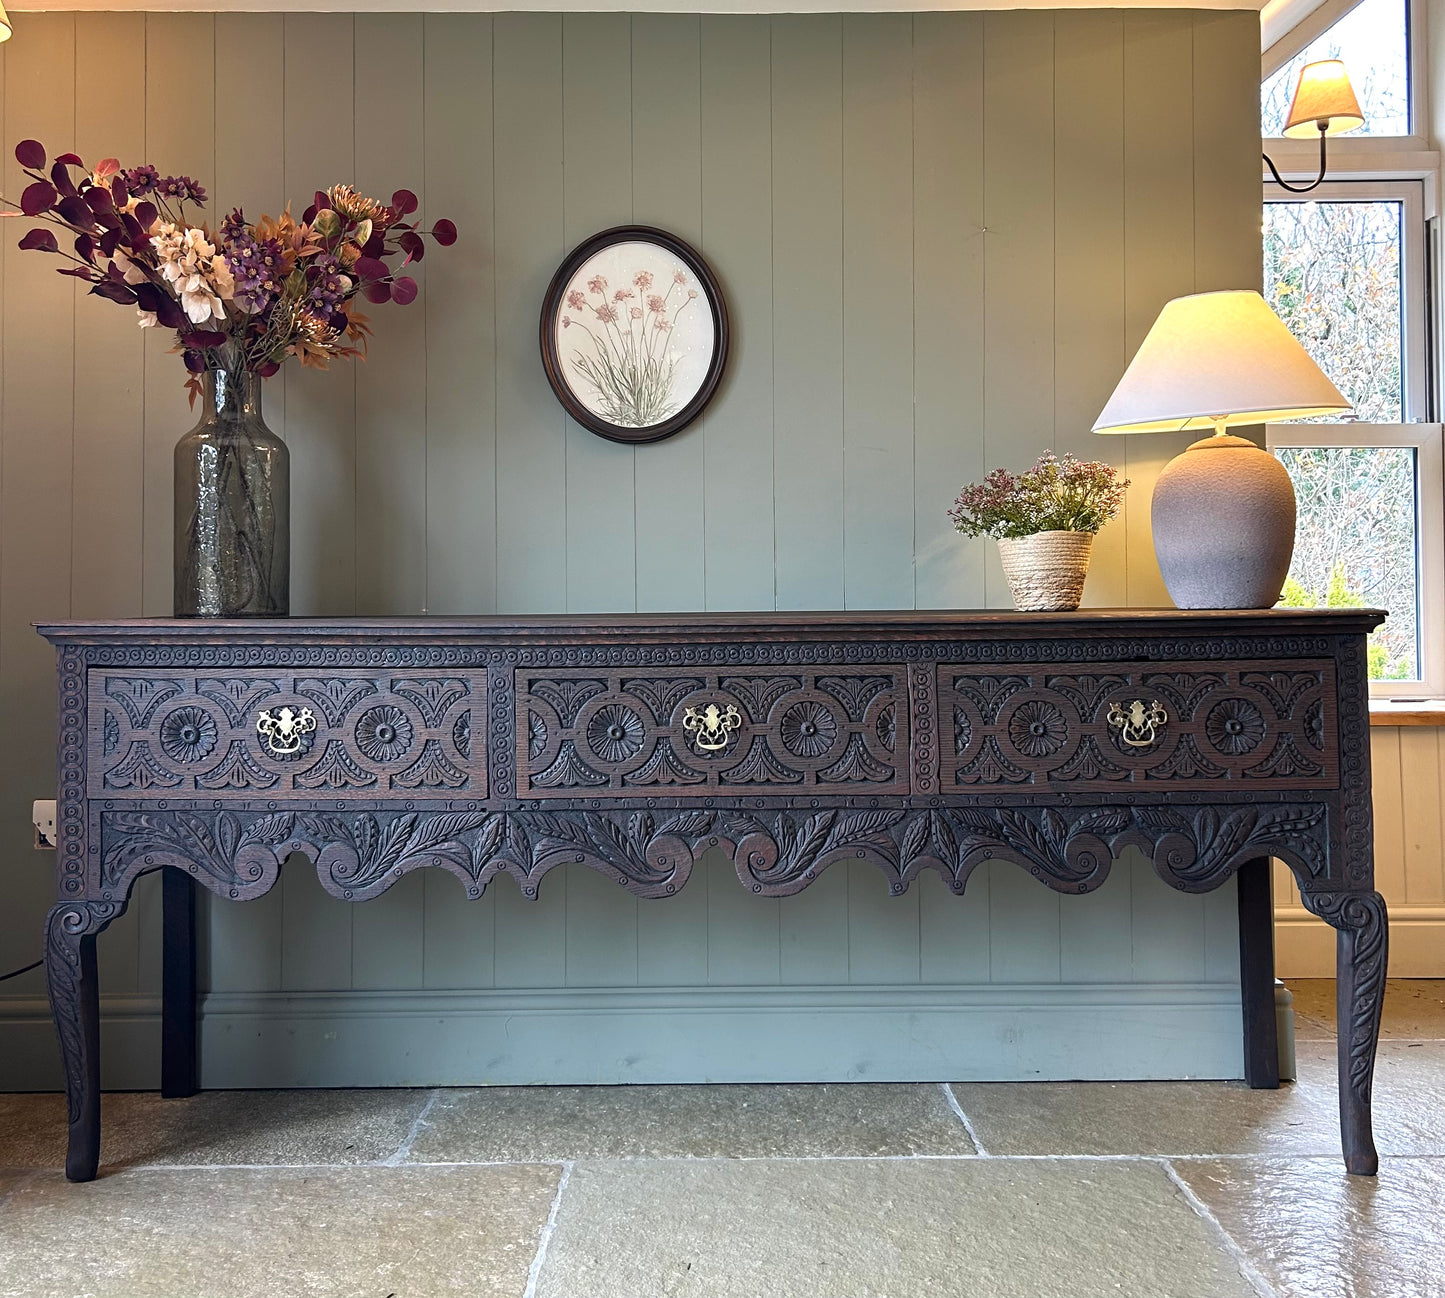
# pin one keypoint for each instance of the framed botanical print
(634, 334)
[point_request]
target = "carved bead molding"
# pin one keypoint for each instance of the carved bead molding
(359, 854)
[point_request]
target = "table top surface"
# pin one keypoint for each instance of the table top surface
(964, 623)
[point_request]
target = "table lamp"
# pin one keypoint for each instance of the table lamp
(1223, 513)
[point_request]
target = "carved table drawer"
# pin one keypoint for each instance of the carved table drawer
(279, 734)
(1254, 725)
(679, 733)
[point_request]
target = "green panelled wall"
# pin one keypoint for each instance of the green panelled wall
(941, 236)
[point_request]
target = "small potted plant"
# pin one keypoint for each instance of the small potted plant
(1044, 521)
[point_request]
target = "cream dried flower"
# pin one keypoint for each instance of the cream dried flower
(198, 275)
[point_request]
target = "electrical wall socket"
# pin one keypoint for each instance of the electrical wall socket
(43, 815)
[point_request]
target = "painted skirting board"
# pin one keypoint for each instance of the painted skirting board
(1304, 947)
(685, 1034)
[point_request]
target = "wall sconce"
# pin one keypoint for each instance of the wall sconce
(4, 24)
(1324, 104)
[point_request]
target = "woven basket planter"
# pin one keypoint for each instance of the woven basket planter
(1046, 571)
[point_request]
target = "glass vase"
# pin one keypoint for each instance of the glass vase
(233, 507)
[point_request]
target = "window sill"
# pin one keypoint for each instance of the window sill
(1407, 712)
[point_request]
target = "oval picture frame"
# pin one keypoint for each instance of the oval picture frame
(642, 347)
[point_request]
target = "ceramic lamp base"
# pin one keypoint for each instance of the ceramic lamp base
(1223, 519)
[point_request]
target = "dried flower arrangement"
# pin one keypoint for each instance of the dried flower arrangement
(245, 297)
(1056, 495)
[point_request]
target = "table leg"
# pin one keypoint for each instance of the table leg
(70, 971)
(178, 985)
(1362, 949)
(1256, 974)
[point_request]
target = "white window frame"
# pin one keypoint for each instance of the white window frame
(1426, 440)
(1415, 399)
(1321, 19)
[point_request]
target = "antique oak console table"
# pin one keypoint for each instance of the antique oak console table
(916, 741)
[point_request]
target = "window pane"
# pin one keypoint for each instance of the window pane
(1332, 274)
(1355, 543)
(1371, 40)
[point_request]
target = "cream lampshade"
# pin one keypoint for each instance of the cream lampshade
(1324, 101)
(1224, 511)
(4, 24)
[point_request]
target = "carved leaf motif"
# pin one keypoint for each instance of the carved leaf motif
(272, 829)
(1104, 823)
(859, 825)
(944, 838)
(688, 824)
(178, 833)
(228, 834)
(915, 838)
(487, 843)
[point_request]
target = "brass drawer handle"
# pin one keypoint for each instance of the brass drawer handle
(286, 732)
(1138, 723)
(711, 727)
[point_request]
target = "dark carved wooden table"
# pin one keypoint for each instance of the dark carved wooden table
(916, 741)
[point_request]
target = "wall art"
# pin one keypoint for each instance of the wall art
(634, 334)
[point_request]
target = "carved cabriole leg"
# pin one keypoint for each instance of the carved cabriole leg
(70, 932)
(1362, 947)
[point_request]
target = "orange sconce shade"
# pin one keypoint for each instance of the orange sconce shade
(1323, 97)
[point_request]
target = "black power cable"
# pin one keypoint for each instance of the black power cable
(15, 973)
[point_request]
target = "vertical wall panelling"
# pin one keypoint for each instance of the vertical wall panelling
(391, 385)
(320, 150)
(883, 931)
(737, 430)
(597, 79)
(954, 939)
(1420, 799)
(529, 242)
(391, 461)
(1388, 776)
(1089, 256)
(940, 235)
(667, 57)
(807, 149)
(813, 937)
(743, 943)
(36, 457)
(948, 305)
(877, 312)
(1018, 247)
(461, 434)
(1158, 241)
(1226, 176)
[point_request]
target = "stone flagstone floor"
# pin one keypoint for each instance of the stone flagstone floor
(1167, 1189)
